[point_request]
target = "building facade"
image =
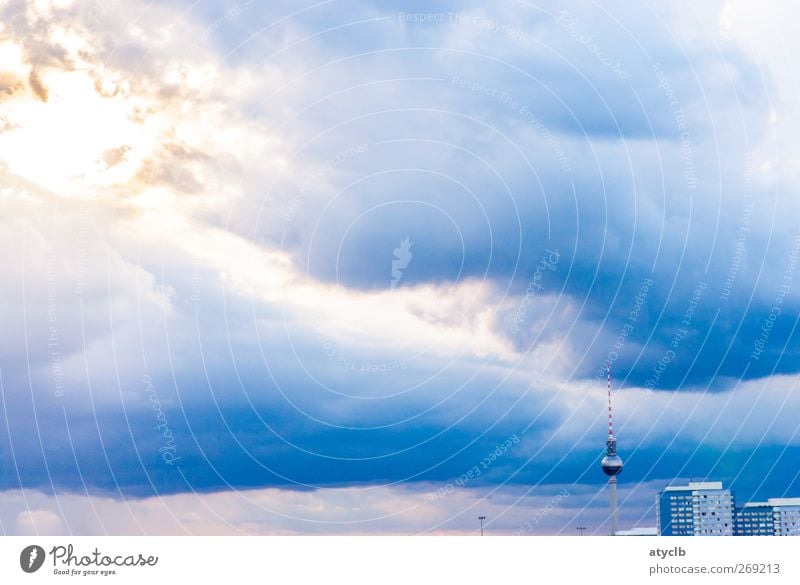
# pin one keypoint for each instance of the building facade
(787, 516)
(755, 519)
(775, 517)
(696, 509)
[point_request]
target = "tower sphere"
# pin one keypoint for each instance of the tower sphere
(611, 464)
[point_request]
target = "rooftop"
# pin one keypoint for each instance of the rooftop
(643, 531)
(773, 502)
(695, 485)
(784, 501)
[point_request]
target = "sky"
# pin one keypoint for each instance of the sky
(361, 266)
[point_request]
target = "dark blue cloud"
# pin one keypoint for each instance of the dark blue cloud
(489, 154)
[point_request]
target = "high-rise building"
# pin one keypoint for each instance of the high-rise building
(755, 519)
(699, 509)
(787, 516)
(611, 463)
(775, 517)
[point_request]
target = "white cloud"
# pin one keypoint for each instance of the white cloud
(38, 522)
(411, 509)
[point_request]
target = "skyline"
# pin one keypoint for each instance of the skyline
(345, 267)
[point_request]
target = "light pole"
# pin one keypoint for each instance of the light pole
(481, 518)
(580, 529)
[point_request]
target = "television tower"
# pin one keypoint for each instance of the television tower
(611, 464)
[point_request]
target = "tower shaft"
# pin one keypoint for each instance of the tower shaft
(612, 488)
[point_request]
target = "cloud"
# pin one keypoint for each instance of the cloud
(38, 522)
(490, 178)
(212, 252)
(37, 86)
(424, 509)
